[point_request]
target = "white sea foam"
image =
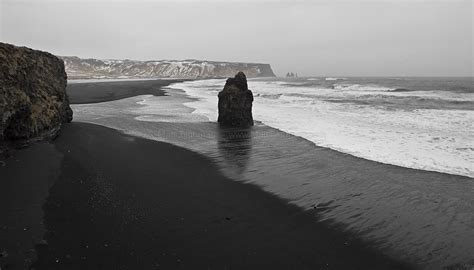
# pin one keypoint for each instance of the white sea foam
(358, 87)
(437, 140)
(333, 79)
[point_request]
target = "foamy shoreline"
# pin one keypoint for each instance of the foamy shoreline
(411, 139)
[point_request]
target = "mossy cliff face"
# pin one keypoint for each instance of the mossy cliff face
(33, 99)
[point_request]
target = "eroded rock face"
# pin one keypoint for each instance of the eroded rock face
(33, 99)
(235, 103)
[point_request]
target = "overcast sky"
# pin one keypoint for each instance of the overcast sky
(338, 38)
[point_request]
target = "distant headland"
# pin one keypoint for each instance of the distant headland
(78, 68)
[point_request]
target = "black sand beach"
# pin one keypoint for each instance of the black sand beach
(93, 92)
(121, 202)
(105, 200)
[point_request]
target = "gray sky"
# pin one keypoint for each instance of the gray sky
(338, 38)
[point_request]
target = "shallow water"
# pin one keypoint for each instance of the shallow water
(423, 217)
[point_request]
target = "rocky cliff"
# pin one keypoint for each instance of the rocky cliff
(235, 103)
(33, 100)
(93, 68)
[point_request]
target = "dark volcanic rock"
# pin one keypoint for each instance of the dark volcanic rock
(235, 103)
(33, 100)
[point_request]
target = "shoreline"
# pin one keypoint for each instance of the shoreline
(377, 201)
(367, 159)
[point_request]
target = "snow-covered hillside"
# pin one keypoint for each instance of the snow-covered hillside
(93, 68)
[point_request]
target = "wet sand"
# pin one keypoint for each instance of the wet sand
(121, 202)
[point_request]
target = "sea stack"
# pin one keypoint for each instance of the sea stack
(235, 103)
(33, 99)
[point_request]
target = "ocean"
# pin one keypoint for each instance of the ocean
(421, 123)
(389, 160)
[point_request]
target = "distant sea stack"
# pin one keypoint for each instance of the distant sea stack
(33, 99)
(235, 103)
(291, 75)
(192, 69)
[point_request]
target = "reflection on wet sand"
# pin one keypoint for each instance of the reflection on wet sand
(235, 146)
